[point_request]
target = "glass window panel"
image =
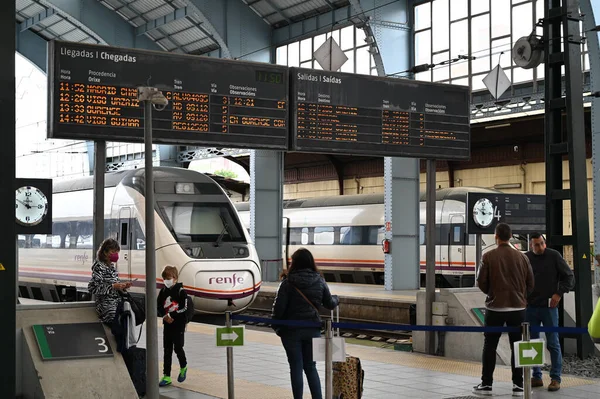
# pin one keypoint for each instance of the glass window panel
(363, 60)
(304, 236)
(360, 36)
(479, 6)
(373, 62)
(541, 70)
(347, 37)
(421, 235)
(335, 34)
(423, 47)
(482, 63)
(459, 9)
(522, 23)
(499, 46)
(306, 49)
(351, 235)
(294, 54)
(441, 72)
(459, 43)
(480, 34)
(586, 62)
(539, 9)
(423, 76)
(522, 75)
(324, 236)
(317, 66)
(500, 17)
(461, 82)
(440, 25)
(423, 16)
(374, 72)
(348, 65)
(281, 55)
(318, 41)
(307, 64)
(477, 82)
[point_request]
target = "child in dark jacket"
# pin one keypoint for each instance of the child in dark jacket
(172, 308)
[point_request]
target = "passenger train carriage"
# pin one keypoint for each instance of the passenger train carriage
(345, 234)
(197, 230)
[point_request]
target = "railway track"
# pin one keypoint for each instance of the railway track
(383, 336)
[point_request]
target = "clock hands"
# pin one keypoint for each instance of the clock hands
(26, 206)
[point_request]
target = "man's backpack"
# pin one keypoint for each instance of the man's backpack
(189, 303)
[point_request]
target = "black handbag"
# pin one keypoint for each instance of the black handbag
(136, 307)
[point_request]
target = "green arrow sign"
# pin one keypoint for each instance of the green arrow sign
(230, 336)
(530, 353)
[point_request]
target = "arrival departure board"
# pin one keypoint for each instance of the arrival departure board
(93, 96)
(367, 115)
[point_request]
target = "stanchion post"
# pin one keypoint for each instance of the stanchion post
(230, 379)
(526, 370)
(328, 360)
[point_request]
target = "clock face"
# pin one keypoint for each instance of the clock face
(483, 212)
(31, 206)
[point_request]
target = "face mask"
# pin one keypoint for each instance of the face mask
(114, 257)
(169, 283)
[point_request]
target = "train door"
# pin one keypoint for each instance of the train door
(457, 242)
(124, 237)
(286, 242)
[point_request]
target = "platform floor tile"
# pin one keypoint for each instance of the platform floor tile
(261, 371)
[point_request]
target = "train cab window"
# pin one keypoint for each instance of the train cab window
(324, 236)
(457, 235)
(351, 235)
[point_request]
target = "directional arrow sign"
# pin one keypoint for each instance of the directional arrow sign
(530, 353)
(230, 336)
(338, 346)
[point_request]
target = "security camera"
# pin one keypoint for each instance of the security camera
(516, 148)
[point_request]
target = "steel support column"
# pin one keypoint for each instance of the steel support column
(401, 187)
(99, 183)
(266, 199)
(563, 21)
(8, 254)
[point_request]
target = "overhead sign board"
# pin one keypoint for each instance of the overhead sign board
(93, 96)
(230, 336)
(72, 341)
(525, 213)
(529, 353)
(367, 115)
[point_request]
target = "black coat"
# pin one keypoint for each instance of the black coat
(172, 301)
(290, 305)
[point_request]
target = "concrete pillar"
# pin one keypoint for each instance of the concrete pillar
(401, 197)
(266, 212)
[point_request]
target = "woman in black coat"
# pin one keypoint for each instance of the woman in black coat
(300, 293)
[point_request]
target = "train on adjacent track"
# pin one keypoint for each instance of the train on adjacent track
(345, 234)
(197, 230)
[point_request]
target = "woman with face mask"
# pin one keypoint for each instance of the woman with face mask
(105, 284)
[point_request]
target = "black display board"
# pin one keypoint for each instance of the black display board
(72, 341)
(93, 96)
(367, 115)
(524, 213)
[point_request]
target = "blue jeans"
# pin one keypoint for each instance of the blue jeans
(298, 347)
(549, 318)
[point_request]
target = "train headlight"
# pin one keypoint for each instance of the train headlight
(184, 188)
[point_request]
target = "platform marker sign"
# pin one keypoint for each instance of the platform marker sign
(529, 353)
(230, 336)
(338, 349)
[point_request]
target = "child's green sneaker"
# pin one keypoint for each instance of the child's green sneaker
(182, 374)
(165, 381)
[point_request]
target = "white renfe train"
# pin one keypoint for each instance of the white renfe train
(345, 234)
(197, 230)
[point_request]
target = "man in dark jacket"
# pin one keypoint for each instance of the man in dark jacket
(553, 279)
(505, 276)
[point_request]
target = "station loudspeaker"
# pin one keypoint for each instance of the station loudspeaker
(528, 52)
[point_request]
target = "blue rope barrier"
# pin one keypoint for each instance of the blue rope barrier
(410, 327)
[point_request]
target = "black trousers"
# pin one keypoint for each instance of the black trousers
(173, 339)
(499, 319)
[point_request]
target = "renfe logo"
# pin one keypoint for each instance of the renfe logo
(233, 280)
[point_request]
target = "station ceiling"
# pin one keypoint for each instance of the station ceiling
(174, 25)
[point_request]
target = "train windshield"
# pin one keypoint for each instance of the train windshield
(202, 222)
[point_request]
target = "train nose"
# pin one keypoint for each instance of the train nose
(227, 286)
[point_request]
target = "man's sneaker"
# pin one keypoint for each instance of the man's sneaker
(517, 390)
(554, 386)
(537, 382)
(165, 381)
(483, 390)
(182, 374)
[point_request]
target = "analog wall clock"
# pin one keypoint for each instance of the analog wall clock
(483, 212)
(31, 206)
